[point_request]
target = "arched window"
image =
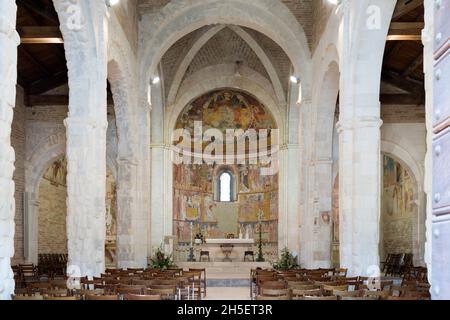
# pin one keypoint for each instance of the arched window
(225, 187)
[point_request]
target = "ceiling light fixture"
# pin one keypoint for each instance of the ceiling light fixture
(156, 80)
(294, 79)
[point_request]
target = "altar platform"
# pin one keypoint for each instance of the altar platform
(226, 274)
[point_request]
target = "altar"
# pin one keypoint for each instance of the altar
(227, 250)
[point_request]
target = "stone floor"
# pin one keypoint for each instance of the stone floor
(237, 293)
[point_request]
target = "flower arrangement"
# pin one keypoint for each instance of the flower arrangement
(160, 260)
(286, 262)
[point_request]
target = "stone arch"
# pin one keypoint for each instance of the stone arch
(326, 108)
(273, 19)
(207, 80)
(202, 40)
(46, 152)
(403, 157)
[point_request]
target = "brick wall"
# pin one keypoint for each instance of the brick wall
(52, 235)
(18, 143)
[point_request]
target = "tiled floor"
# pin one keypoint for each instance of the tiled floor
(238, 293)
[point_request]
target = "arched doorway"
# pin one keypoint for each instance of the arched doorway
(197, 209)
(52, 213)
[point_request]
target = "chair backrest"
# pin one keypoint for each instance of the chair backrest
(131, 289)
(275, 292)
(101, 297)
(33, 297)
(341, 294)
(358, 298)
(305, 287)
(337, 288)
(302, 293)
(74, 298)
(163, 292)
(377, 294)
(271, 298)
(141, 297)
(273, 284)
(56, 293)
(319, 298)
(403, 298)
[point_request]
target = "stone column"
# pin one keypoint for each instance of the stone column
(132, 224)
(359, 199)
(84, 27)
(9, 41)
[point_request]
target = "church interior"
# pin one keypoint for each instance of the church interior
(224, 149)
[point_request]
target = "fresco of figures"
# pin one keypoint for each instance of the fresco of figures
(194, 185)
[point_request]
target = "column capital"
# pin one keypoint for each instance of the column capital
(358, 122)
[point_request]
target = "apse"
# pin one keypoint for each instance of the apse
(225, 200)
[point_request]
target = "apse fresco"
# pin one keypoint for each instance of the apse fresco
(398, 207)
(194, 185)
(226, 110)
(111, 221)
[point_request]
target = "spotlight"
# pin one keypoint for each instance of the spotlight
(335, 2)
(294, 79)
(156, 80)
(111, 3)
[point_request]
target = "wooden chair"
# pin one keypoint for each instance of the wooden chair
(272, 298)
(275, 292)
(202, 278)
(101, 297)
(131, 289)
(403, 298)
(26, 298)
(39, 287)
(56, 293)
(249, 255)
(341, 294)
(331, 298)
(358, 298)
(328, 290)
(342, 272)
(299, 294)
(204, 254)
(72, 298)
(379, 295)
(141, 297)
(164, 293)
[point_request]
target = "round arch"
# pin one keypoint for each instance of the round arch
(403, 157)
(271, 18)
(207, 80)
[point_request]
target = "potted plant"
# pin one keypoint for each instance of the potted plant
(198, 238)
(160, 260)
(286, 262)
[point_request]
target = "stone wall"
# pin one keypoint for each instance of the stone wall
(18, 143)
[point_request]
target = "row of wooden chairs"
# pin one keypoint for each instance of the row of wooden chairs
(169, 284)
(278, 291)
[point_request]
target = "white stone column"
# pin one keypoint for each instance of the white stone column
(132, 224)
(161, 168)
(84, 27)
(9, 41)
(359, 199)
